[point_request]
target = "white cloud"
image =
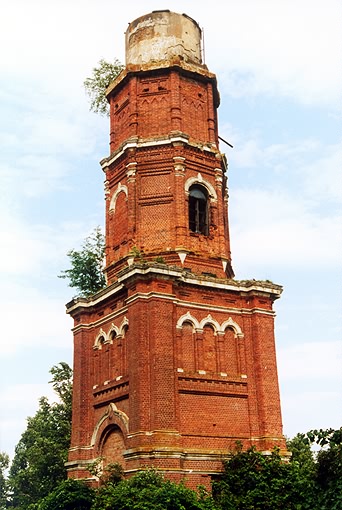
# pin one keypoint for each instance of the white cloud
(32, 257)
(310, 361)
(18, 401)
(29, 248)
(42, 322)
(40, 141)
(249, 154)
(39, 174)
(57, 130)
(275, 229)
(25, 395)
(286, 48)
(313, 167)
(285, 208)
(322, 177)
(310, 380)
(306, 410)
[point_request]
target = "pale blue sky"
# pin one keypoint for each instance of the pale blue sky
(278, 70)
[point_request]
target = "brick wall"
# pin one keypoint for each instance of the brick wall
(174, 361)
(193, 370)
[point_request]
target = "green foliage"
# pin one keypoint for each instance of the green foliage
(86, 273)
(62, 383)
(324, 437)
(329, 467)
(253, 481)
(250, 479)
(302, 455)
(68, 495)
(4, 463)
(137, 254)
(146, 490)
(329, 477)
(112, 473)
(38, 464)
(96, 85)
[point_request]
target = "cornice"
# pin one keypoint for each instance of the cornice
(175, 63)
(141, 143)
(243, 287)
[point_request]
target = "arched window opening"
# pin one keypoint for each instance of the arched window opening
(198, 210)
(124, 357)
(187, 347)
(101, 340)
(230, 355)
(209, 349)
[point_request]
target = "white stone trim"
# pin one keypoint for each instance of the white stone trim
(120, 331)
(120, 187)
(97, 343)
(218, 328)
(114, 289)
(110, 411)
(187, 317)
(182, 255)
(233, 325)
(112, 329)
(123, 325)
(212, 322)
(130, 144)
(199, 180)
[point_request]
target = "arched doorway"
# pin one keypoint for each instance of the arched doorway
(113, 446)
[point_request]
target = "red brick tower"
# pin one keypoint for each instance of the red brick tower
(174, 361)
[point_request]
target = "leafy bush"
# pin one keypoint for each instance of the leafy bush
(86, 273)
(149, 490)
(254, 481)
(96, 85)
(69, 495)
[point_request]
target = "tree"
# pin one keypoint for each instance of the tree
(323, 437)
(69, 495)
(329, 477)
(302, 454)
(86, 273)
(254, 481)
(328, 467)
(112, 474)
(62, 384)
(38, 464)
(96, 85)
(148, 489)
(4, 463)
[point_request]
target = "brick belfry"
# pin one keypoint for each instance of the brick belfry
(174, 361)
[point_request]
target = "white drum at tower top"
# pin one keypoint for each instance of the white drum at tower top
(163, 35)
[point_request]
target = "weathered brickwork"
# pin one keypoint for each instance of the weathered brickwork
(175, 360)
(147, 209)
(155, 103)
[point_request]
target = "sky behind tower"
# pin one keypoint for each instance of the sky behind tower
(279, 76)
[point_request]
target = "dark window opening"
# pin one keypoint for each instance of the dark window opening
(198, 210)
